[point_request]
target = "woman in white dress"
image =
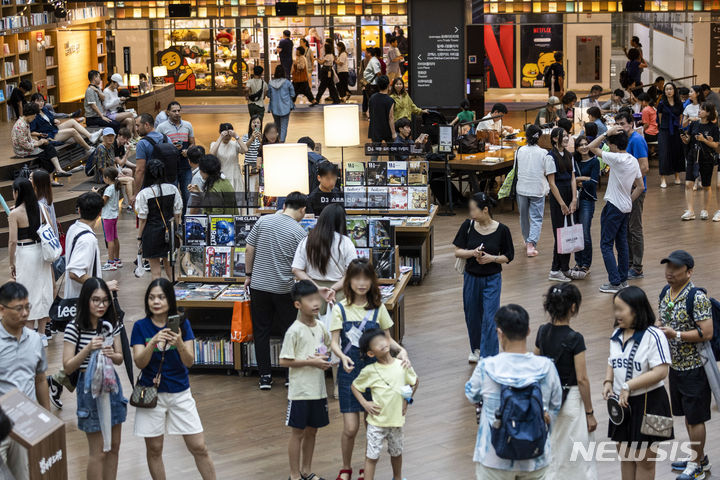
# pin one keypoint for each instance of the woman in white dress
(25, 253)
(227, 148)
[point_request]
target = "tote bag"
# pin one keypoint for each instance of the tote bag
(51, 248)
(570, 238)
(241, 330)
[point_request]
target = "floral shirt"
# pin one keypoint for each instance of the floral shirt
(674, 314)
(22, 141)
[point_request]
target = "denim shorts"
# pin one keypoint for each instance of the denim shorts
(87, 412)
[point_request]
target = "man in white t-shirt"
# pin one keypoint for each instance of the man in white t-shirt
(619, 197)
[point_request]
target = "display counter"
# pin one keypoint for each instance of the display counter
(154, 101)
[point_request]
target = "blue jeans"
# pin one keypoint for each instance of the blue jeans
(613, 230)
(87, 410)
(184, 177)
(531, 211)
(282, 124)
(481, 300)
(586, 209)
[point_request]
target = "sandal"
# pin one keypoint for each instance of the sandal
(343, 472)
(361, 474)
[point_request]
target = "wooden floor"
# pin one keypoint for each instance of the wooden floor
(244, 427)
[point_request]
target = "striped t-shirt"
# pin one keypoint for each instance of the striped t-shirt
(71, 336)
(252, 153)
(275, 238)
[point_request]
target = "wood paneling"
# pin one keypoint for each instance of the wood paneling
(74, 62)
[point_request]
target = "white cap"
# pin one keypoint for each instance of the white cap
(117, 78)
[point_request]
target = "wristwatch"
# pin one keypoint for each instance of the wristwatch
(625, 386)
(678, 335)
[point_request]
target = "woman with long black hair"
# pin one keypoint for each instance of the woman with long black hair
(219, 194)
(669, 111)
(25, 254)
(563, 201)
(343, 72)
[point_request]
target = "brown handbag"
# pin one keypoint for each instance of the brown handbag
(146, 397)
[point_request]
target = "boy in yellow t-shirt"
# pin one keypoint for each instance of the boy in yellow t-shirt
(392, 388)
(305, 353)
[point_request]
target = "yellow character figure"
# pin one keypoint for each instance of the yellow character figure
(530, 73)
(178, 70)
(545, 60)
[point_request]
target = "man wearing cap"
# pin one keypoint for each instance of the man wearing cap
(114, 103)
(686, 319)
(549, 114)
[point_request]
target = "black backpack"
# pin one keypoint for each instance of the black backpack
(167, 153)
(714, 311)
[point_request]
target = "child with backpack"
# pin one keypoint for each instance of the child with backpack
(392, 388)
(109, 215)
(566, 348)
(515, 389)
(361, 310)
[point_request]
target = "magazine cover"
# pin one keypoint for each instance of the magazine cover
(308, 223)
(398, 198)
(383, 259)
(357, 230)
(192, 261)
(355, 173)
(363, 253)
(397, 173)
(222, 230)
(239, 262)
(196, 227)
(380, 233)
(377, 173)
(377, 197)
(243, 225)
(417, 172)
(218, 261)
(418, 198)
(355, 197)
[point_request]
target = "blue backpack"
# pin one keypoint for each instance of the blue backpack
(519, 431)
(714, 310)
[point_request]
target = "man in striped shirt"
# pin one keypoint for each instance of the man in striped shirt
(271, 246)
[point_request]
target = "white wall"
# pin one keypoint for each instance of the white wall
(597, 28)
(134, 34)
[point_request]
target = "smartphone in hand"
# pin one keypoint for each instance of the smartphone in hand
(174, 323)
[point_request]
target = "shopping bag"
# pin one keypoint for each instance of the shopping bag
(241, 326)
(326, 319)
(51, 248)
(570, 238)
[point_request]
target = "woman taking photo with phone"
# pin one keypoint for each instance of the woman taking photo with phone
(93, 327)
(164, 346)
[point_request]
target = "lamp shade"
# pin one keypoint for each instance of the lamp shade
(342, 125)
(286, 169)
(160, 71)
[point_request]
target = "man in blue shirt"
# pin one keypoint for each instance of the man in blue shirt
(284, 50)
(638, 148)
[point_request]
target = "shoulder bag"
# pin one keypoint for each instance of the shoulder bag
(146, 397)
(555, 359)
(51, 248)
(656, 425)
(460, 262)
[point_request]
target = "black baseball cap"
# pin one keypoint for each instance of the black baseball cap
(679, 257)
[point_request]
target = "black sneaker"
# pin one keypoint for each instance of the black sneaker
(55, 392)
(680, 465)
(146, 266)
(265, 382)
(634, 274)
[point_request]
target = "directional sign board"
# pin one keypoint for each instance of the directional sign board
(437, 52)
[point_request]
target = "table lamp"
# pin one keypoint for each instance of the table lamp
(159, 73)
(342, 129)
(286, 169)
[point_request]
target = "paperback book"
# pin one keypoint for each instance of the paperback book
(222, 230)
(355, 197)
(380, 233)
(239, 262)
(418, 198)
(417, 172)
(234, 292)
(308, 223)
(355, 173)
(192, 261)
(357, 230)
(243, 225)
(398, 198)
(196, 227)
(218, 261)
(397, 173)
(383, 259)
(377, 197)
(376, 173)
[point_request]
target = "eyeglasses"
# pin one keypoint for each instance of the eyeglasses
(19, 308)
(100, 301)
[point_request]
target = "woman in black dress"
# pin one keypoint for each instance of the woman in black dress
(669, 111)
(158, 205)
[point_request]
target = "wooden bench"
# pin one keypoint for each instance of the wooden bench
(70, 155)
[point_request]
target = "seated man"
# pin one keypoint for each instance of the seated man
(114, 101)
(46, 125)
(93, 103)
(615, 103)
(125, 166)
(17, 97)
(24, 145)
(499, 110)
(592, 100)
(549, 114)
(403, 128)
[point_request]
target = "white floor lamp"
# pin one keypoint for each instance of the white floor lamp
(286, 169)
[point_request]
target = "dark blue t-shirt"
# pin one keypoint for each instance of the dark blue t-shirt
(638, 148)
(174, 373)
(589, 168)
(286, 47)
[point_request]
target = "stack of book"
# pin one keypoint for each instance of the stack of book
(214, 351)
(387, 185)
(249, 359)
(198, 290)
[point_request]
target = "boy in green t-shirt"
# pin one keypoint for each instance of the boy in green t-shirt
(305, 352)
(392, 388)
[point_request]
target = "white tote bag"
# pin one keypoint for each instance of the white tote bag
(51, 248)
(570, 238)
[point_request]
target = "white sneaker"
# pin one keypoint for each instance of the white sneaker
(94, 137)
(558, 276)
(663, 185)
(109, 267)
(44, 340)
(703, 215)
(474, 357)
(716, 217)
(688, 215)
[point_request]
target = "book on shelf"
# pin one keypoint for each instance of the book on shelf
(250, 360)
(355, 173)
(398, 198)
(192, 261)
(308, 223)
(235, 292)
(377, 197)
(2, 95)
(380, 233)
(239, 262)
(196, 227)
(205, 291)
(357, 230)
(397, 173)
(222, 230)
(376, 173)
(414, 263)
(383, 259)
(214, 351)
(243, 226)
(363, 253)
(418, 198)
(50, 79)
(218, 261)
(51, 99)
(418, 172)
(415, 221)
(355, 197)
